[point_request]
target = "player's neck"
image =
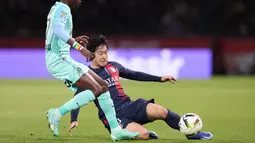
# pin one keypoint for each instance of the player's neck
(65, 2)
(94, 66)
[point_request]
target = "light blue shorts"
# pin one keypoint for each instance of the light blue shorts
(69, 71)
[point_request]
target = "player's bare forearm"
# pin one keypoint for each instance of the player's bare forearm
(86, 53)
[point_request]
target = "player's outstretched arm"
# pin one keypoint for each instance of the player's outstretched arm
(168, 78)
(74, 115)
(141, 76)
(74, 122)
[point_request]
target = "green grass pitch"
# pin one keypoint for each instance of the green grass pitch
(225, 104)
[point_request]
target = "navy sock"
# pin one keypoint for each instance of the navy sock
(172, 119)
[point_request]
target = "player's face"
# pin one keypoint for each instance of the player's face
(101, 56)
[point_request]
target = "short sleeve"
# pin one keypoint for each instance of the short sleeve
(62, 14)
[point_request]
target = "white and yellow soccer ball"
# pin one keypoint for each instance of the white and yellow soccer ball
(190, 124)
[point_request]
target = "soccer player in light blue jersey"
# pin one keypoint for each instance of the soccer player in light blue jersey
(75, 75)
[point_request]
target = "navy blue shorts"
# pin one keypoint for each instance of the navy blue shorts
(135, 112)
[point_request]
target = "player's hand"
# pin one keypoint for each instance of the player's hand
(83, 40)
(86, 53)
(72, 125)
(168, 78)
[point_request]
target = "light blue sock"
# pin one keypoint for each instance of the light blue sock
(107, 106)
(81, 99)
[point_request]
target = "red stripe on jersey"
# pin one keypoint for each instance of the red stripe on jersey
(113, 71)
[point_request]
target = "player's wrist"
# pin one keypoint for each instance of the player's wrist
(74, 121)
(77, 46)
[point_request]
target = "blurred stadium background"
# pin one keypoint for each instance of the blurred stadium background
(208, 44)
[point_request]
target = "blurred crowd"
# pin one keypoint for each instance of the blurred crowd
(27, 18)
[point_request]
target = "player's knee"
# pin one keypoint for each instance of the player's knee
(164, 113)
(97, 90)
(144, 135)
(104, 87)
(157, 112)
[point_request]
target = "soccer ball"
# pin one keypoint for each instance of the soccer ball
(190, 124)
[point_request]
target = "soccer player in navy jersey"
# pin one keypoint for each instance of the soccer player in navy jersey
(131, 114)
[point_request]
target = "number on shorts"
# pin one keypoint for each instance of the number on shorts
(119, 121)
(68, 83)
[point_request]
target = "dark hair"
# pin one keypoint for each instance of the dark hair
(95, 41)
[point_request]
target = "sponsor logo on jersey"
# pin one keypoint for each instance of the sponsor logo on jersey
(112, 69)
(112, 81)
(63, 14)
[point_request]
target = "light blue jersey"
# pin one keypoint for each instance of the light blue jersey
(58, 60)
(55, 47)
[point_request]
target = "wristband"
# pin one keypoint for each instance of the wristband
(77, 46)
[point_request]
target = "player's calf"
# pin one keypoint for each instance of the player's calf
(172, 119)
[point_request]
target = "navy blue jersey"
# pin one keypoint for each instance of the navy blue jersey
(111, 74)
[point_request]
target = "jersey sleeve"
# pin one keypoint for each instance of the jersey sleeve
(60, 20)
(62, 14)
(135, 75)
(74, 114)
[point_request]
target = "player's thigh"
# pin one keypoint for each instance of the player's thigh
(99, 80)
(75, 75)
(81, 77)
(156, 112)
(135, 127)
(137, 111)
